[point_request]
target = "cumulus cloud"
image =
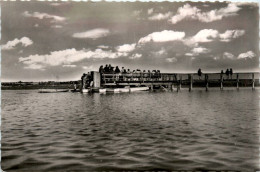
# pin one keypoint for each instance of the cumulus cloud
(208, 35)
(38, 15)
(228, 55)
(229, 34)
(126, 48)
(24, 41)
(137, 12)
(198, 50)
(150, 11)
(194, 13)
(92, 34)
(71, 66)
(57, 26)
(249, 54)
(135, 56)
(103, 46)
(160, 16)
(171, 60)
(90, 68)
(163, 36)
(65, 57)
(160, 52)
(205, 35)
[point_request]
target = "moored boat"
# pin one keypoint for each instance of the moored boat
(53, 90)
(139, 89)
(86, 90)
(112, 90)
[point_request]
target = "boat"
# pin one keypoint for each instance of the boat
(86, 90)
(99, 90)
(102, 90)
(53, 90)
(74, 91)
(139, 89)
(112, 90)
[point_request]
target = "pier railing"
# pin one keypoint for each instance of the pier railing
(216, 79)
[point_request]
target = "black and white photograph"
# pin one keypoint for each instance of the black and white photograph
(130, 86)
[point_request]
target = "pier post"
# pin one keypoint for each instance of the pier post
(207, 81)
(237, 81)
(191, 81)
(180, 81)
(253, 81)
(221, 81)
(152, 87)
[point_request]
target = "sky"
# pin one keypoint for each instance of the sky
(46, 41)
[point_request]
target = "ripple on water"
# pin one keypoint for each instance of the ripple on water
(147, 131)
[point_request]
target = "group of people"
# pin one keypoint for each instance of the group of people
(229, 73)
(108, 69)
(137, 74)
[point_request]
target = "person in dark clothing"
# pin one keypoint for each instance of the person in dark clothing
(101, 69)
(117, 70)
(110, 68)
(222, 72)
(227, 73)
(231, 72)
(106, 69)
(199, 73)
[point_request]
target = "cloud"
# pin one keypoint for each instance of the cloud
(92, 34)
(163, 36)
(193, 13)
(66, 57)
(249, 54)
(205, 35)
(160, 16)
(38, 15)
(150, 11)
(171, 60)
(160, 52)
(11, 44)
(90, 68)
(229, 34)
(228, 55)
(135, 56)
(126, 48)
(137, 12)
(34, 66)
(71, 66)
(208, 35)
(57, 26)
(198, 50)
(103, 46)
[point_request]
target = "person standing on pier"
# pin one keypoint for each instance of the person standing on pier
(101, 71)
(199, 73)
(106, 70)
(231, 72)
(117, 71)
(227, 73)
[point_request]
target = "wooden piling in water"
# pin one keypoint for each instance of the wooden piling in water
(207, 81)
(253, 81)
(191, 81)
(221, 81)
(237, 81)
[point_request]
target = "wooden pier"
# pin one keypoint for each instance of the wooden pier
(176, 80)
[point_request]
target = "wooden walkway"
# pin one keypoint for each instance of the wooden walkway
(170, 80)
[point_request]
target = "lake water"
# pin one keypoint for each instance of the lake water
(137, 131)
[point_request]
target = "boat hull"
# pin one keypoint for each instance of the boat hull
(139, 89)
(52, 91)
